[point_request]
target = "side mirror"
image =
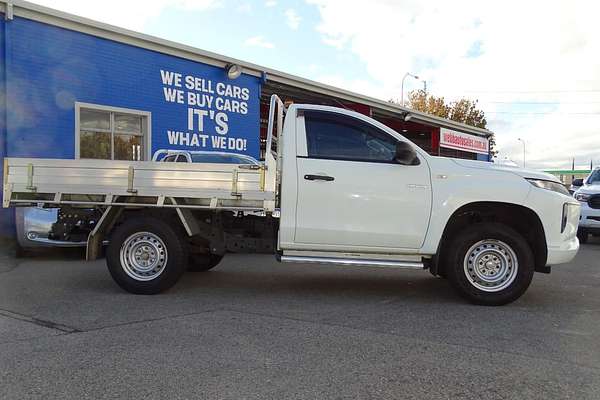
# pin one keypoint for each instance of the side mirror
(577, 182)
(406, 154)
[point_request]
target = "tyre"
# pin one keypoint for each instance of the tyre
(582, 236)
(146, 256)
(490, 264)
(203, 262)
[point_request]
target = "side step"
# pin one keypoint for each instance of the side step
(352, 262)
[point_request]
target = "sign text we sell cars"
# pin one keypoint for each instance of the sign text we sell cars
(209, 106)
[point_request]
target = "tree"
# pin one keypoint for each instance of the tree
(463, 110)
(420, 101)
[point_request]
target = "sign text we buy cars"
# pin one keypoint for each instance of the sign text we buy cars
(211, 114)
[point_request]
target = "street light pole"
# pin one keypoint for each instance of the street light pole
(522, 141)
(402, 86)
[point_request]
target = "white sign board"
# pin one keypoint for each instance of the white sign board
(463, 141)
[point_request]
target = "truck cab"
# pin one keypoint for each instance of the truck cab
(358, 186)
(347, 188)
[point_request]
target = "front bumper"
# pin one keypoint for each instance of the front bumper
(559, 215)
(590, 218)
(563, 253)
(566, 244)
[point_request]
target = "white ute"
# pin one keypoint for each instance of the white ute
(336, 187)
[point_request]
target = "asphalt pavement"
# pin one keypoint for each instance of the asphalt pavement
(256, 329)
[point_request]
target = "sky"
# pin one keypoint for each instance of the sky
(533, 66)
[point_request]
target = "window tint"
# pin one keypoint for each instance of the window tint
(220, 158)
(211, 158)
(334, 136)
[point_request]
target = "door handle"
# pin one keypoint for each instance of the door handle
(319, 178)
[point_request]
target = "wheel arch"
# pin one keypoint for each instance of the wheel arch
(520, 218)
(116, 215)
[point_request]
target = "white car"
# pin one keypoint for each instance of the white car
(588, 196)
(217, 157)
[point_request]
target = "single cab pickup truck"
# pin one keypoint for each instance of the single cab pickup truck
(336, 187)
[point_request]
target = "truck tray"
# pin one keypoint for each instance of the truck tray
(150, 184)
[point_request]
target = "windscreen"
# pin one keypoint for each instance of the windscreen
(219, 158)
(594, 177)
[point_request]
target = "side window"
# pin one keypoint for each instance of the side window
(181, 158)
(339, 137)
(169, 158)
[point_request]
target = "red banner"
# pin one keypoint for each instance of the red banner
(463, 141)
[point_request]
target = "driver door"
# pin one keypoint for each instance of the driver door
(352, 195)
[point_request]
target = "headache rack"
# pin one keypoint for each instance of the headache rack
(84, 182)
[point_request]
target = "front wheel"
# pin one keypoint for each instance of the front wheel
(490, 264)
(146, 256)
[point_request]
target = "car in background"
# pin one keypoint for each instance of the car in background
(588, 194)
(69, 227)
(576, 184)
(203, 157)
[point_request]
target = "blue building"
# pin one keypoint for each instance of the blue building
(75, 88)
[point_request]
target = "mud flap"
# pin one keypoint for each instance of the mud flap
(96, 237)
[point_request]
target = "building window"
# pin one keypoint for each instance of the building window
(109, 133)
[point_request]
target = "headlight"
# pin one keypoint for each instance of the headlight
(549, 185)
(582, 196)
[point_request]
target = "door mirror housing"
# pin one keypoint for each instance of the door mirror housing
(577, 182)
(406, 154)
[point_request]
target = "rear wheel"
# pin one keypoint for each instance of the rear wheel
(146, 256)
(582, 236)
(203, 262)
(490, 264)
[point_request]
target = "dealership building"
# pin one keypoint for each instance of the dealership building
(71, 87)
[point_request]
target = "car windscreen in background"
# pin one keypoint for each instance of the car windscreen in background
(219, 158)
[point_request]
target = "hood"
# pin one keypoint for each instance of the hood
(590, 189)
(523, 172)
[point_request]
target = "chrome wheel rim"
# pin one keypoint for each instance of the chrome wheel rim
(143, 256)
(491, 265)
